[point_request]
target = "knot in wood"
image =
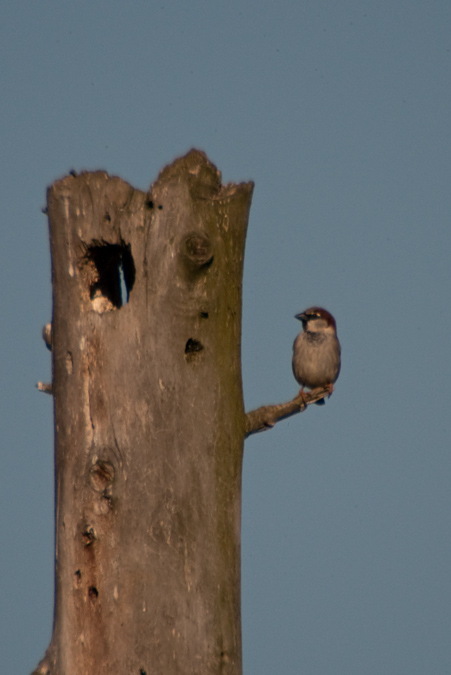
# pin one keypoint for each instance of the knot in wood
(102, 475)
(197, 250)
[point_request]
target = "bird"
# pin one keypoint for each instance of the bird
(316, 351)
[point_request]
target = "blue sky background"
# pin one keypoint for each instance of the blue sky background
(340, 112)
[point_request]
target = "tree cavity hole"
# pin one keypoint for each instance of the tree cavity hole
(112, 274)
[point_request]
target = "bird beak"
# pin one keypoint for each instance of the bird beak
(300, 317)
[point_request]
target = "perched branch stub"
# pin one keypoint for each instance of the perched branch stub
(267, 416)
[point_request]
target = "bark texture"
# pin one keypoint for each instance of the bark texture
(149, 422)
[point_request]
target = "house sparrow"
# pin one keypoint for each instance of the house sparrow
(316, 351)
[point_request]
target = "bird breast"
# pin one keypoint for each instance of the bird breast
(316, 359)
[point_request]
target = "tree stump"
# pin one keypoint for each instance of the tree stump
(149, 422)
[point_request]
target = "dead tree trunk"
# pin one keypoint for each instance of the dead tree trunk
(149, 422)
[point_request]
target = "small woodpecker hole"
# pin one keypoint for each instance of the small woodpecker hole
(192, 349)
(93, 592)
(77, 578)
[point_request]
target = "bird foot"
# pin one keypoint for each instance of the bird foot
(330, 388)
(303, 395)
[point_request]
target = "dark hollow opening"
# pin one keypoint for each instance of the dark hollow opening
(193, 346)
(193, 349)
(93, 592)
(115, 271)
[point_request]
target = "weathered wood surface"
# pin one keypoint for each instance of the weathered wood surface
(149, 422)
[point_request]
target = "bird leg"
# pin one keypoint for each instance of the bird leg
(330, 388)
(303, 395)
